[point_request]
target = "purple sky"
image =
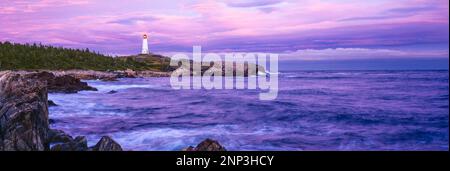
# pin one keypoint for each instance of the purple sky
(306, 29)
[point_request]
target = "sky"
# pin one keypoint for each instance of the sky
(298, 30)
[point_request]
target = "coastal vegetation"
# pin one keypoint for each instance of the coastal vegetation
(15, 56)
(32, 57)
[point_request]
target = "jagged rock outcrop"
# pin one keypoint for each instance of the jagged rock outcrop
(24, 122)
(207, 145)
(61, 84)
(23, 113)
(106, 143)
(63, 142)
(51, 103)
(77, 144)
(57, 136)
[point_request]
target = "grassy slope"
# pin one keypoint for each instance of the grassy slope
(153, 61)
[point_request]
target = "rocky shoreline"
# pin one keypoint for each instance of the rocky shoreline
(24, 116)
(238, 70)
(98, 75)
(110, 75)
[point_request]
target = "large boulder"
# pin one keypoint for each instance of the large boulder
(207, 145)
(106, 143)
(23, 113)
(51, 103)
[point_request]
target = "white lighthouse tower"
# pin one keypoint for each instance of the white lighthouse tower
(145, 45)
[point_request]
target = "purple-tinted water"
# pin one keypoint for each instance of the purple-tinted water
(322, 110)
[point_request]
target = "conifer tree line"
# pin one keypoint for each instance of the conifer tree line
(15, 56)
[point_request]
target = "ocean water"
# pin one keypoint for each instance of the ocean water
(316, 110)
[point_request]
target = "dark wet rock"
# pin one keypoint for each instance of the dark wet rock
(78, 144)
(23, 113)
(112, 92)
(58, 136)
(106, 143)
(207, 145)
(51, 121)
(51, 103)
(61, 84)
(61, 141)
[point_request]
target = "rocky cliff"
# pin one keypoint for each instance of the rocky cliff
(24, 122)
(23, 113)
